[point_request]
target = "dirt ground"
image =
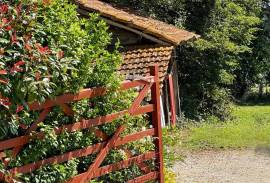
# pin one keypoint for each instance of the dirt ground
(237, 166)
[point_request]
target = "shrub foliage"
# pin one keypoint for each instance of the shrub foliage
(46, 50)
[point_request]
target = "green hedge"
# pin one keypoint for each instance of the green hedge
(46, 51)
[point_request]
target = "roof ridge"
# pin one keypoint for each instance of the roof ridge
(161, 30)
(147, 46)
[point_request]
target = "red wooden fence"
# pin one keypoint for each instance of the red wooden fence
(148, 84)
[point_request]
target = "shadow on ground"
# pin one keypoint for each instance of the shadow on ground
(263, 149)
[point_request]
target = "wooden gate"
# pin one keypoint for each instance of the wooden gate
(147, 84)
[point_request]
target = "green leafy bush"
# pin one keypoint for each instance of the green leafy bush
(171, 143)
(46, 51)
(57, 53)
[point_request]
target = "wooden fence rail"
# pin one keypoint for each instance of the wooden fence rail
(148, 84)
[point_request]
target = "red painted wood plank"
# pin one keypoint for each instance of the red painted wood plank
(133, 84)
(58, 159)
(143, 110)
(134, 137)
(32, 128)
(40, 119)
(67, 110)
(68, 98)
(172, 101)
(124, 164)
(88, 123)
(84, 94)
(142, 94)
(99, 159)
(144, 167)
(14, 142)
(145, 178)
(102, 154)
(84, 124)
(103, 119)
(120, 165)
(156, 120)
(80, 152)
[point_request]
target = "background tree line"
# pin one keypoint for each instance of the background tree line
(232, 55)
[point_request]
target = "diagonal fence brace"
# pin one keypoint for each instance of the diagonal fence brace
(140, 97)
(84, 178)
(32, 128)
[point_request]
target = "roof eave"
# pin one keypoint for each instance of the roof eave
(137, 27)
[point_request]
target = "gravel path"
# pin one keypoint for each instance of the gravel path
(247, 166)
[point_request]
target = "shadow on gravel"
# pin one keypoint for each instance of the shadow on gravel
(263, 149)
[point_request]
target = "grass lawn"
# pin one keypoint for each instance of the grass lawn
(250, 127)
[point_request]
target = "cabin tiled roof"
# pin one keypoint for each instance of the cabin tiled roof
(138, 59)
(162, 31)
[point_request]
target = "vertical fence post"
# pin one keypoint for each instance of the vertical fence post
(172, 101)
(156, 120)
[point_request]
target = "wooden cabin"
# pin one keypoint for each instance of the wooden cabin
(145, 42)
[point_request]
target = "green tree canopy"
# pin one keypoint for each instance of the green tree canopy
(210, 66)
